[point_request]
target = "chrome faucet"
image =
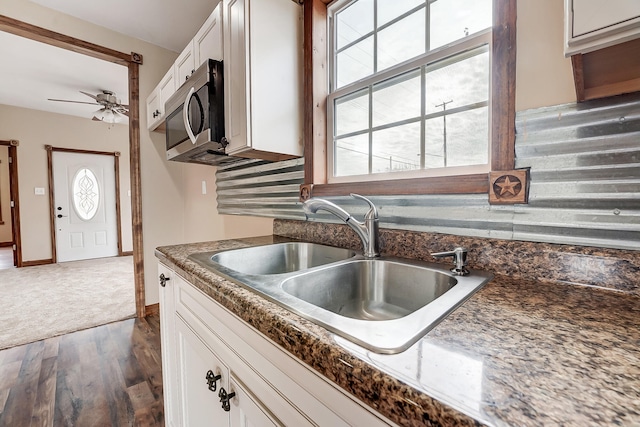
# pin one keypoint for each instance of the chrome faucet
(460, 259)
(367, 230)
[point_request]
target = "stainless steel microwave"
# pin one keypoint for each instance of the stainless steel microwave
(195, 118)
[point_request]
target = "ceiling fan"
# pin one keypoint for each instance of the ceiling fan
(111, 111)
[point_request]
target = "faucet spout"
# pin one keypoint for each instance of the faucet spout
(367, 230)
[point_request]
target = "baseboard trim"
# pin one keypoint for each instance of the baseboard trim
(5, 244)
(152, 310)
(37, 262)
(127, 253)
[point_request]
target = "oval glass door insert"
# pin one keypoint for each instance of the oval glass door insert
(86, 194)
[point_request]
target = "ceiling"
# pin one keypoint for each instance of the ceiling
(33, 72)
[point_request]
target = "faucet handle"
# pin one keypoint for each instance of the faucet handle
(460, 258)
(373, 211)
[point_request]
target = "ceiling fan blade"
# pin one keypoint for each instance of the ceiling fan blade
(75, 102)
(89, 95)
(121, 112)
(95, 119)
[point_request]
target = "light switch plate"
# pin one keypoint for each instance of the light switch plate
(39, 191)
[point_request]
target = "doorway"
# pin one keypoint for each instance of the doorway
(9, 206)
(132, 61)
(85, 208)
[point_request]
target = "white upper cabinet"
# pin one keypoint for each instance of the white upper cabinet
(263, 78)
(208, 40)
(155, 101)
(596, 24)
(207, 43)
(185, 64)
(153, 110)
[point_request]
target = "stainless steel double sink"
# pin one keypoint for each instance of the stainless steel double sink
(383, 304)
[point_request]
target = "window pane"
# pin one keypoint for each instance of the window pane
(455, 19)
(402, 41)
(396, 149)
(352, 113)
(352, 156)
(391, 9)
(463, 136)
(86, 194)
(464, 82)
(397, 99)
(355, 62)
(354, 22)
(467, 136)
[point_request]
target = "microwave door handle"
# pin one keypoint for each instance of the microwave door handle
(185, 115)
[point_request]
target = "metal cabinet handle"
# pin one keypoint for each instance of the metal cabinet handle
(185, 115)
(163, 280)
(225, 398)
(212, 379)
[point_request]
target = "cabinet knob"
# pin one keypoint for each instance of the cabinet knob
(163, 280)
(212, 379)
(225, 398)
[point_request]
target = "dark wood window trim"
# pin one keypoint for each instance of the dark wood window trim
(132, 61)
(502, 150)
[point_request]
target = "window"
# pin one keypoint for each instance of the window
(86, 194)
(409, 89)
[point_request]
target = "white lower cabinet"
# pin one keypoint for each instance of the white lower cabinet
(211, 354)
(167, 334)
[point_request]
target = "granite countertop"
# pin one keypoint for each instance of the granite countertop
(519, 352)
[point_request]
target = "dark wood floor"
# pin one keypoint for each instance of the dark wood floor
(105, 376)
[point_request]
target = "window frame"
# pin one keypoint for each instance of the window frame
(502, 111)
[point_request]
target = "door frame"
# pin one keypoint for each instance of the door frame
(132, 61)
(16, 239)
(52, 211)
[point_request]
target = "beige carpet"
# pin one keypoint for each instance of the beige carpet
(49, 300)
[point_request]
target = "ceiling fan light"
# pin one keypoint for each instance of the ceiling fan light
(107, 115)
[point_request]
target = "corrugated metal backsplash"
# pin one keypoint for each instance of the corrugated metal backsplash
(585, 184)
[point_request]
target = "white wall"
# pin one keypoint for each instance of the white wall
(202, 221)
(543, 75)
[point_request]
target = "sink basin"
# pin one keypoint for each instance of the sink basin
(383, 304)
(280, 258)
(370, 289)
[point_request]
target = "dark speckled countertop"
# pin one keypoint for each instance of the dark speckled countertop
(520, 352)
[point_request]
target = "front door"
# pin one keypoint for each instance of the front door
(84, 206)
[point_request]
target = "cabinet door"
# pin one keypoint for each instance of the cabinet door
(167, 87)
(593, 15)
(246, 411)
(235, 51)
(200, 405)
(167, 334)
(185, 64)
(208, 40)
(153, 109)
